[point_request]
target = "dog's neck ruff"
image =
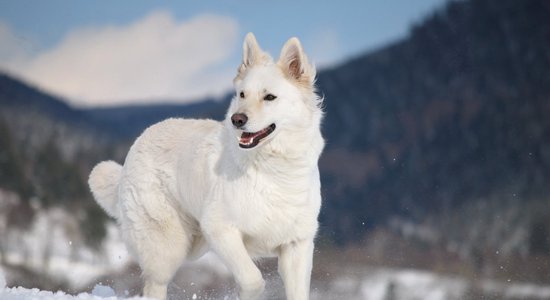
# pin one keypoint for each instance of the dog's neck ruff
(297, 151)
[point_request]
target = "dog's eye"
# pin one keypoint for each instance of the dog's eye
(270, 97)
(241, 95)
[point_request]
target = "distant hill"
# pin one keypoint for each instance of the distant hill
(47, 149)
(16, 95)
(456, 112)
(130, 121)
(122, 122)
(450, 120)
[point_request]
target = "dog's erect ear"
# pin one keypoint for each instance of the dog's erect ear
(294, 62)
(252, 54)
(251, 50)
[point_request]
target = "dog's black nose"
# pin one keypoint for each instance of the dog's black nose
(239, 120)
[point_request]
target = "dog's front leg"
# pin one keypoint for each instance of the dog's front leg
(226, 241)
(295, 263)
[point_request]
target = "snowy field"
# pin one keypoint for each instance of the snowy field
(19, 293)
(70, 261)
(379, 284)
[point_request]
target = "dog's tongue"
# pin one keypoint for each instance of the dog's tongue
(247, 137)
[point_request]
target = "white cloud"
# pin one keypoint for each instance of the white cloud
(14, 49)
(156, 57)
(325, 48)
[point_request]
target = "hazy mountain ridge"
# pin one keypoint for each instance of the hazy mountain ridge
(47, 150)
(454, 113)
(130, 121)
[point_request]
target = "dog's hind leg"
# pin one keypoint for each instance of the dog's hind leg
(160, 240)
(295, 264)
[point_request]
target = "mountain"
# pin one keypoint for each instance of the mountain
(46, 151)
(19, 96)
(129, 121)
(442, 137)
(457, 112)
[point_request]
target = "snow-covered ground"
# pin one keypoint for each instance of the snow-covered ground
(19, 293)
(53, 246)
(403, 284)
(377, 284)
(52, 249)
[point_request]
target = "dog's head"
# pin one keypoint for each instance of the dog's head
(274, 100)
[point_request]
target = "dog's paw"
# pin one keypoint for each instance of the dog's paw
(252, 291)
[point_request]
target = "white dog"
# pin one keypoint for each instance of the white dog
(245, 187)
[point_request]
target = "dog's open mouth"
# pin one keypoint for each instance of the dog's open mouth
(251, 139)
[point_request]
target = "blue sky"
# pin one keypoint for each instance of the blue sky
(113, 52)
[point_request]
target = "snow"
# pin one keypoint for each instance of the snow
(516, 290)
(99, 292)
(19, 293)
(69, 259)
(52, 248)
(524, 291)
(377, 284)
(103, 291)
(410, 284)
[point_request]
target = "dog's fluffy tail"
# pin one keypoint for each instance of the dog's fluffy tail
(104, 180)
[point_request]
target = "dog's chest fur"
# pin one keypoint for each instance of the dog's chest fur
(271, 199)
(274, 205)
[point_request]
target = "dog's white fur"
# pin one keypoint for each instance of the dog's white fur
(186, 186)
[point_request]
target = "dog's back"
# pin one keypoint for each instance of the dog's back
(153, 161)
